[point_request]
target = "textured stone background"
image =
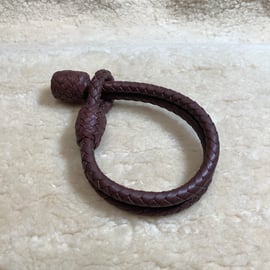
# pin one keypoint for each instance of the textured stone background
(216, 52)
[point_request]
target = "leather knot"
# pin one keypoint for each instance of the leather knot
(91, 121)
(70, 86)
(76, 87)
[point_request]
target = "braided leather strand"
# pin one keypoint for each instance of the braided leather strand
(90, 126)
(196, 186)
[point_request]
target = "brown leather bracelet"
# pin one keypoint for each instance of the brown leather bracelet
(97, 95)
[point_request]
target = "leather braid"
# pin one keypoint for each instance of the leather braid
(91, 120)
(90, 126)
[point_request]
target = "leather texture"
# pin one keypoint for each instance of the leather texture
(90, 125)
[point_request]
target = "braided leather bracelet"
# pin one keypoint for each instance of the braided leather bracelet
(97, 95)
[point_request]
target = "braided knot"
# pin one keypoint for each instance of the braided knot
(76, 87)
(91, 121)
(70, 86)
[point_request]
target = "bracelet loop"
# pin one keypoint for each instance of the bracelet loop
(90, 125)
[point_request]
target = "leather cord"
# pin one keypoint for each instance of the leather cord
(97, 95)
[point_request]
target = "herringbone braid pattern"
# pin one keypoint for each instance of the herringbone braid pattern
(70, 86)
(91, 120)
(195, 187)
(90, 126)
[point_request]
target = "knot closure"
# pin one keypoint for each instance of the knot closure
(76, 87)
(70, 86)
